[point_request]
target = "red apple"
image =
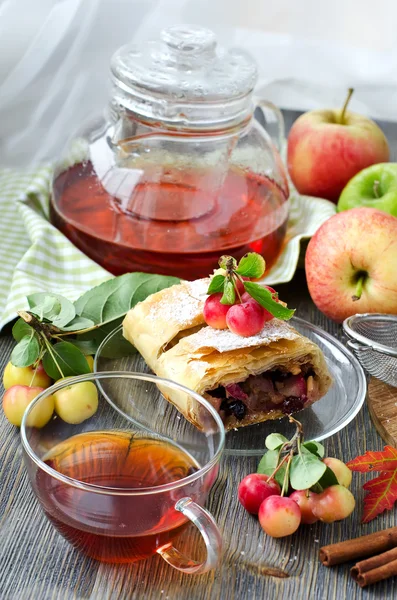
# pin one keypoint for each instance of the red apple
(326, 148)
(351, 264)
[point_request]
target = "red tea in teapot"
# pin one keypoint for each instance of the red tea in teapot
(114, 527)
(170, 227)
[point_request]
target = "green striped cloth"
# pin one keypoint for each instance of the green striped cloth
(35, 256)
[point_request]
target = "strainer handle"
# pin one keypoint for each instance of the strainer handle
(356, 346)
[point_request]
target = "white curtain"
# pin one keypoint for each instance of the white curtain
(54, 57)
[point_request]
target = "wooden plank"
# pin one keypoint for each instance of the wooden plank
(382, 405)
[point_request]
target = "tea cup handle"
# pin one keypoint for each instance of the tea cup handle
(272, 114)
(206, 525)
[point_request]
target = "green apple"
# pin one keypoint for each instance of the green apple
(375, 187)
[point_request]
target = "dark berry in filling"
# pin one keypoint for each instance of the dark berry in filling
(293, 404)
(234, 407)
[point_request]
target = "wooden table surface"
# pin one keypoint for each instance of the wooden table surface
(36, 563)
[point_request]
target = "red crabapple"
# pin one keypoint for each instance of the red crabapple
(247, 298)
(271, 290)
(279, 516)
(240, 285)
(253, 490)
(304, 499)
(246, 319)
(214, 312)
(333, 504)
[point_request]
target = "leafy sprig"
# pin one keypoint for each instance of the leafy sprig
(232, 276)
(295, 463)
(61, 333)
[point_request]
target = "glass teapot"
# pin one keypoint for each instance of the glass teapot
(179, 172)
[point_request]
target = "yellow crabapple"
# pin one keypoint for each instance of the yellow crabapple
(30, 376)
(18, 397)
(77, 402)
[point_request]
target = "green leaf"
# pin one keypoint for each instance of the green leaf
(226, 260)
(112, 299)
(41, 305)
(78, 323)
(305, 470)
(87, 347)
(63, 360)
(268, 463)
(26, 352)
(117, 347)
(275, 440)
(216, 285)
(315, 448)
(21, 329)
(328, 479)
(229, 294)
(251, 265)
(96, 336)
(51, 308)
(264, 297)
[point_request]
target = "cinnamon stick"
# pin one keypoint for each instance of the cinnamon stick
(383, 572)
(373, 563)
(366, 545)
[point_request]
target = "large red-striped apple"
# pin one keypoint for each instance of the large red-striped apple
(351, 264)
(326, 148)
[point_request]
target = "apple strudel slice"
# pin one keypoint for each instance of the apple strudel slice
(247, 379)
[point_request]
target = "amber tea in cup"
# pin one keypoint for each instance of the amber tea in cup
(123, 484)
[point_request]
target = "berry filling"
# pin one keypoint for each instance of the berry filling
(278, 390)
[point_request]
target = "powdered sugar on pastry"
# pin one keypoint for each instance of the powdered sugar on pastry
(198, 288)
(224, 340)
(181, 304)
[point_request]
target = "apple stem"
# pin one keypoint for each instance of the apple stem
(342, 115)
(376, 188)
(359, 288)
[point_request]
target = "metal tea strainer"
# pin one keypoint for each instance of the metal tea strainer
(373, 339)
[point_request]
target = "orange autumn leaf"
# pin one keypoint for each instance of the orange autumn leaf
(385, 460)
(381, 495)
(381, 492)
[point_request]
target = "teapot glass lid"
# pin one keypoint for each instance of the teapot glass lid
(184, 66)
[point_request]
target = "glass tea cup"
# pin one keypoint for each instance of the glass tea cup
(123, 483)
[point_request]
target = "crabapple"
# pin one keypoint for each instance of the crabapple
(247, 298)
(246, 319)
(214, 312)
(340, 470)
(279, 516)
(18, 397)
(253, 490)
(304, 499)
(29, 376)
(240, 285)
(271, 290)
(76, 402)
(333, 504)
(90, 360)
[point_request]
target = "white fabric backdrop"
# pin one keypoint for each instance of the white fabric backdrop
(54, 57)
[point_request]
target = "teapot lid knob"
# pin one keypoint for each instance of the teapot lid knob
(189, 40)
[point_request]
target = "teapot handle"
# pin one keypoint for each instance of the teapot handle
(273, 118)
